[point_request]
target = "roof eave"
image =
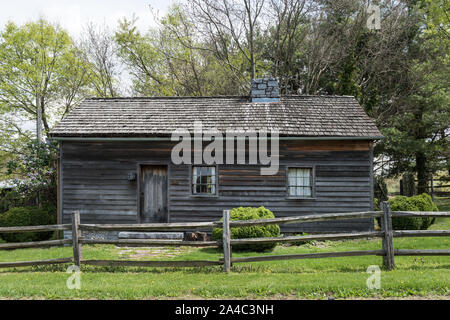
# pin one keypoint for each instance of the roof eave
(62, 138)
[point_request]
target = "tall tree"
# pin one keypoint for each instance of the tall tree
(144, 61)
(39, 67)
(285, 40)
(231, 27)
(99, 48)
(40, 60)
(173, 60)
(418, 137)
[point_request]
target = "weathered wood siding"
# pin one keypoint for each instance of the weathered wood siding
(95, 182)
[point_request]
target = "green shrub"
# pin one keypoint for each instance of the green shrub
(249, 213)
(421, 202)
(27, 216)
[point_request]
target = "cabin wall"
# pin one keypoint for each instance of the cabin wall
(94, 180)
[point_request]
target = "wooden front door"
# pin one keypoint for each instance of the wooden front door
(153, 197)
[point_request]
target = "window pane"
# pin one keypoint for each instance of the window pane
(299, 182)
(203, 180)
(292, 176)
(306, 181)
(291, 181)
(308, 192)
(292, 191)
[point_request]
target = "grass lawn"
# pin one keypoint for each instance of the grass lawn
(442, 203)
(315, 278)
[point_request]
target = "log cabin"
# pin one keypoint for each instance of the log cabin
(116, 165)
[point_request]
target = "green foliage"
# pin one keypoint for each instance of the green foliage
(15, 198)
(421, 202)
(37, 166)
(37, 59)
(416, 132)
(249, 213)
(347, 83)
(27, 216)
(171, 61)
(376, 204)
(40, 58)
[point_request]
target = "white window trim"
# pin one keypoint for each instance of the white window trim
(313, 182)
(191, 181)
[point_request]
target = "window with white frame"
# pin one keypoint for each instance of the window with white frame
(204, 180)
(300, 182)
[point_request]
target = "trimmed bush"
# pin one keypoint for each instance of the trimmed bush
(421, 202)
(249, 213)
(26, 216)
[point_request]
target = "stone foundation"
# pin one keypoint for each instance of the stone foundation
(100, 235)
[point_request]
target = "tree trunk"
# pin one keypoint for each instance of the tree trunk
(408, 187)
(421, 172)
(421, 160)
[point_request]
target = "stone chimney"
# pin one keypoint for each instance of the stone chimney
(264, 90)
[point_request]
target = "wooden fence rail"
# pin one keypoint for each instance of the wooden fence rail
(386, 234)
(35, 244)
(55, 227)
(387, 252)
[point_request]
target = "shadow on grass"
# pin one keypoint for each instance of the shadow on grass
(247, 268)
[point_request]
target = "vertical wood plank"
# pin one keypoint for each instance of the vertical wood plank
(76, 235)
(371, 177)
(60, 185)
(226, 241)
(58, 196)
(388, 242)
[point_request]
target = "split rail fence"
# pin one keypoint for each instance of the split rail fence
(387, 251)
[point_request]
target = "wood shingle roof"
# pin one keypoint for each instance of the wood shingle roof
(309, 116)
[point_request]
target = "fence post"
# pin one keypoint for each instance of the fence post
(387, 242)
(226, 241)
(76, 235)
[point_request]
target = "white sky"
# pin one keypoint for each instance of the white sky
(74, 14)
